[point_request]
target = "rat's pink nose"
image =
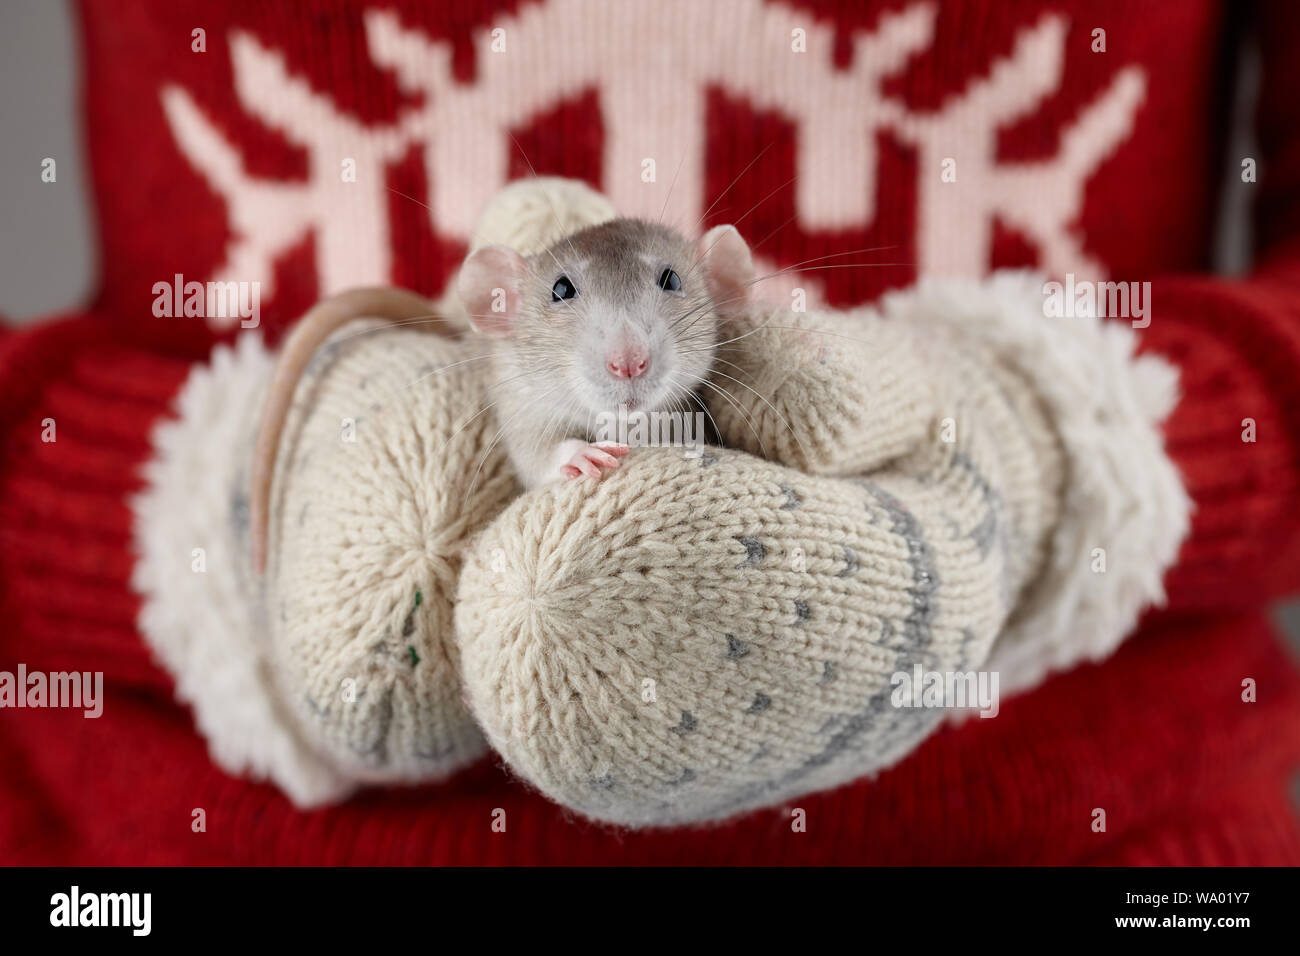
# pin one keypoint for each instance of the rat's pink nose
(627, 363)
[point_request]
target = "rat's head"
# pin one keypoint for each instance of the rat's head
(624, 313)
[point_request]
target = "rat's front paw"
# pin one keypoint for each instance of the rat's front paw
(592, 459)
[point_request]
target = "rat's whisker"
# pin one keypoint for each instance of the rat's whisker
(747, 168)
(848, 265)
(559, 226)
(469, 421)
(444, 368)
(691, 394)
(776, 230)
(501, 431)
(837, 255)
(732, 364)
(412, 198)
(764, 400)
(700, 259)
(752, 208)
(555, 420)
(429, 319)
(671, 186)
(720, 346)
(739, 411)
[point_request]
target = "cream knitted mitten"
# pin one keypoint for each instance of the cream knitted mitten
(391, 466)
(824, 392)
(695, 637)
(386, 476)
(338, 666)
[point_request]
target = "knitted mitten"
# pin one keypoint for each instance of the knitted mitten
(825, 392)
(337, 666)
(200, 610)
(389, 470)
(392, 465)
(695, 637)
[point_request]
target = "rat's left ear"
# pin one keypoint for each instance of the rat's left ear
(489, 284)
(728, 268)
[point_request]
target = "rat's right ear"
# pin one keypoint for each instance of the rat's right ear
(728, 269)
(489, 285)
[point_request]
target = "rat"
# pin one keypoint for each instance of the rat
(621, 314)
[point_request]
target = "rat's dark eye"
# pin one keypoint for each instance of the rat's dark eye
(563, 289)
(669, 281)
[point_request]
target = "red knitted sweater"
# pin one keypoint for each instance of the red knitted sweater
(1068, 157)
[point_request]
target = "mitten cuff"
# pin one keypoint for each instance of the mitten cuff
(199, 612)
(1124, 511)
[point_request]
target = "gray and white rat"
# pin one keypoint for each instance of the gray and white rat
(624, 313)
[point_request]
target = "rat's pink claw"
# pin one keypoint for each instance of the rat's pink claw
(593, 460)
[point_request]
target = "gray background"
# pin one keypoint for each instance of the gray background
(46, 255)
(47, 260)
